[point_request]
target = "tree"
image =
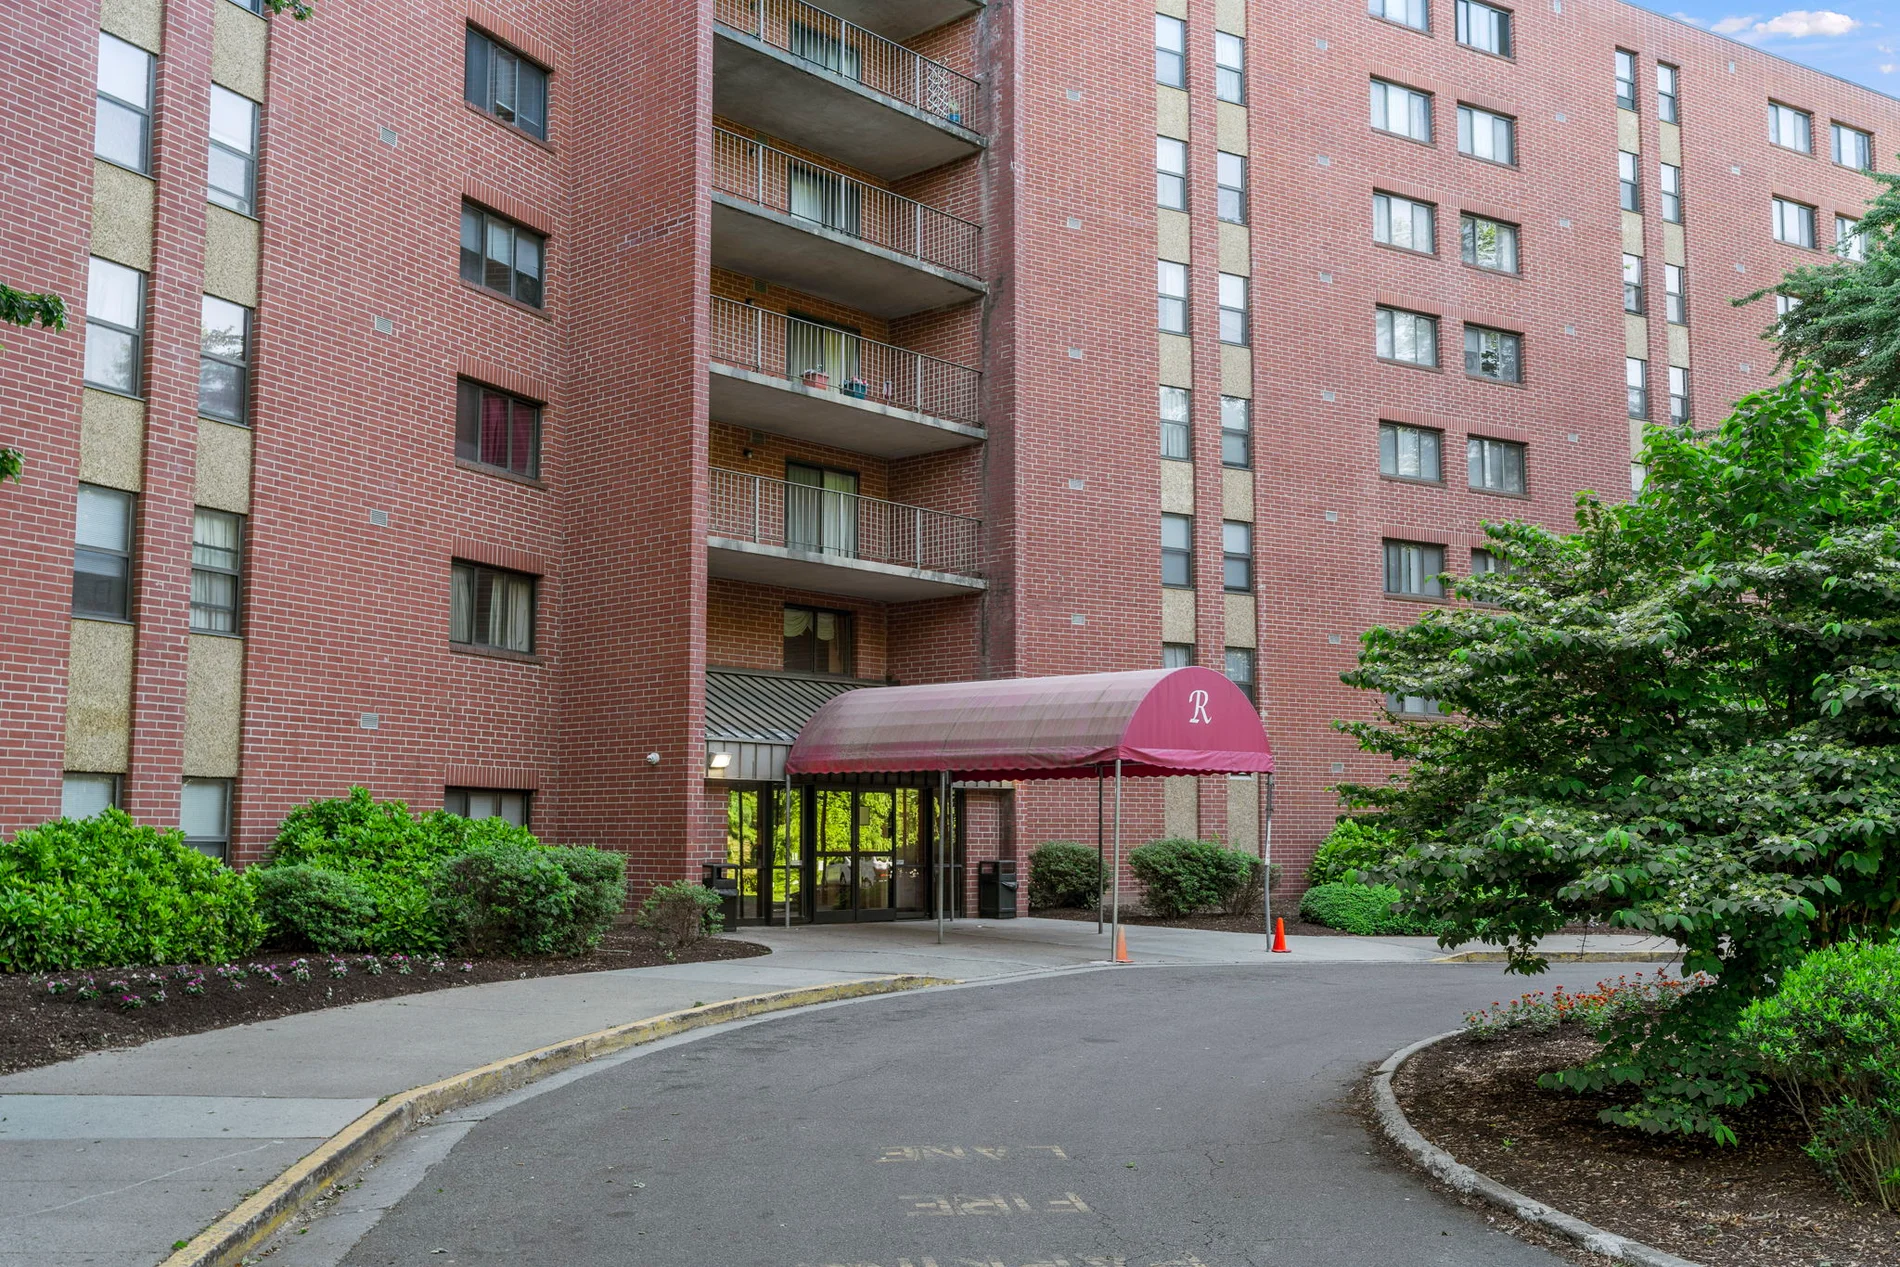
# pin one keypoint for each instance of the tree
(1683, 719)
(1845, 317)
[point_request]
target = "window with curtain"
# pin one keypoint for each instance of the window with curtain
(87, 795)
(493, 428)
(204, 815)
(1629, 190)
(1404, 223)
(1412, 13)
(115, 327)
(1412, 569)
(1482, 134)
(1233, 309)
(1175, 428)
(821, 509)
(1239, 664)
(1671, 189)
(502, 256)
(491, 608)
(1170, 51)
(825, 197)
(1400, 110)
(503, 83)
(1794, 222)
(1230, 68)
(231, 167)
(122, 128)
(1632, 283)
(1410, 337)
(1171, 288)
(217, 557)
(818, 641)
(1409, 453)
(1177, 551)
(1170, 173)
(1236, 556)
(825, 346)
(1230, 187)
(1790, 128)
(1484, 27)
(102, 553)
(1674, 299)
(1668, 103)
(486, 802)
(1853, 148)
(1177, 655)
(825, 45)
(1496, 466)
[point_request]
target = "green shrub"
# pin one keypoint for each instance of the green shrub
(308, 907)
(106, 891)
(393, 856)
(1829, 1038)
(600, 890)
(682, 912)
(1179, 877)
(1365, 909)
(1353, 846)
(505, 899)
(1064, 873)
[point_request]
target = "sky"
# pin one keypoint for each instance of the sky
(1854, 40)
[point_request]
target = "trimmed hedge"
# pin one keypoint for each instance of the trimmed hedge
(1064, 873)
(105, 891)
(513, 899)
(1366, 909)
(1180, 876)
(1353, 845)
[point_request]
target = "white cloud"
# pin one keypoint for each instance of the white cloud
(1887, 68)
(1795, 24)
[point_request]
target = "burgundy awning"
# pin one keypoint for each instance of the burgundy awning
(1155, 721)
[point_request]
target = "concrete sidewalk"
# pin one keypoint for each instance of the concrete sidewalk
(110, 1158)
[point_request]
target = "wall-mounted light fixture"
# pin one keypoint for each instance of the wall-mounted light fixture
(719, 760)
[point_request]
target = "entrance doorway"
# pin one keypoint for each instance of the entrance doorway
(870, 856)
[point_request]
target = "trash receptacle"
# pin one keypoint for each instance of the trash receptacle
(996, 889)
(723, 878)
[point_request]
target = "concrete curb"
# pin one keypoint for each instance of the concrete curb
(1568, 956)
(1442, 1165)
(226, 1241)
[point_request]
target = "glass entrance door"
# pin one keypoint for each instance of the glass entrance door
(766, 876)
(870, 854)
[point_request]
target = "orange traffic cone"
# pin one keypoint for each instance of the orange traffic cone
(1121, 946)
(1279, 937)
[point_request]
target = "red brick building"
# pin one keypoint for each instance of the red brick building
(541, 406)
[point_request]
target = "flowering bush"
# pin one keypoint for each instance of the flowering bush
(1594, 1010)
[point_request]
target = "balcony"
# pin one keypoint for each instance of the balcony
(830, 85)
(816, 230)
(902, 19)
(772, 532)
(886, 401)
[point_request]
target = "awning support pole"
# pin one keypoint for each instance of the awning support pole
(1266, 853)
(943, 846)
(790, 840)
(1117, 911)
(1100, 849)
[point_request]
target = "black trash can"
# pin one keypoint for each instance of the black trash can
(996, 889)
(723, 878)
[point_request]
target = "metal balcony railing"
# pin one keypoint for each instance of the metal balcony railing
(773, 343)
(756, 172)
(831, 43)
(771, 512)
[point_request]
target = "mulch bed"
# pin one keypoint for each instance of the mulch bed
(38, 1028)
(1211, 923)
(1759, 1204)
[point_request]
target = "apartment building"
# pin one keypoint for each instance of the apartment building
(544, 420)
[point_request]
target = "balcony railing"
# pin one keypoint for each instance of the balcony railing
(773, 343)
(773, 179)
(771, 512)
(831, 43)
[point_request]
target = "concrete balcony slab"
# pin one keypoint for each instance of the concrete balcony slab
(735, 560)
(784, 406)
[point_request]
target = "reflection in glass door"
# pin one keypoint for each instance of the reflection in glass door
(871, 854)
(834, 877)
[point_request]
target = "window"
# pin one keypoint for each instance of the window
(204, 815)
(1482, 134)
(1172, 288)
(1403, 223)
(1488, 244)
(1848, 243)
(1411, 337)
(87, 795)
(1174, 424)
(122, 129)
(1230, 177)
(1411, 13)
(496, 429)
(1671, 193)
(1636, 379)
(1678, 394)
(819, 641)
(1230, 68)
(250, 6)
(1632, 283)
(1177, 551)
(1412, 569)
(1493, 354)
(231, 170)
(505, 84)
(224, 361)
(1239, 666)
(486, 802)
(1409, 453)
(1625, 79)
(1485, 563)
(217, 559)
(1629, 191)
(1794, 223)
(1484, 28)
(491, 608)
(1790, 128)
(1785, 304)
(1401, 111)
(1853, 148)
(1675, 301)
(1412, 705)
(1177, 655)
(1233, 308)
(102, 554)
(115, 326)
(1668, 105)
(1170, 51)
(1496, 466)
(1236, 432)
(1236, 556)
(1170, 173)
(502, 256)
